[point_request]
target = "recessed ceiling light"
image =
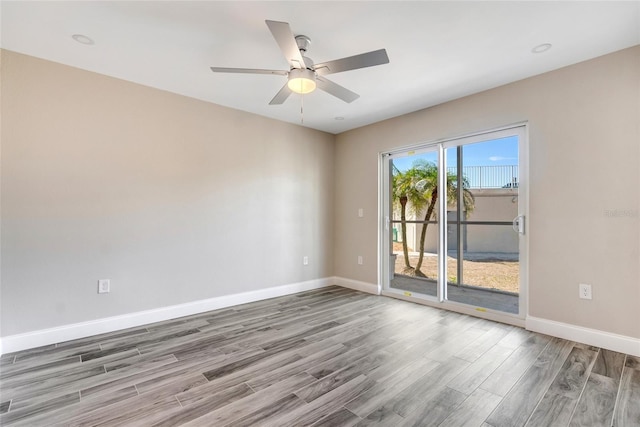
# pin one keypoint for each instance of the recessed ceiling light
(81, 38)
(541, 48)
(339, 118)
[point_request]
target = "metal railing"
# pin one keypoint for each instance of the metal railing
(489, 176)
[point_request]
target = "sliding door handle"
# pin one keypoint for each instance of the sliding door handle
(518, 224)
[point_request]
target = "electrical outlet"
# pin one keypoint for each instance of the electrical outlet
(359, 259)
(305, 260)
(104, 286)
(585, 291)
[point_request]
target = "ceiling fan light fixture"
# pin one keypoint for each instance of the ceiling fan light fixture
(302, 81)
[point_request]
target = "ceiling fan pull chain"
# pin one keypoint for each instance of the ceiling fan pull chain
(301, 109)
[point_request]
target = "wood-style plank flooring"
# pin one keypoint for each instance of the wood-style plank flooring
(330, 357)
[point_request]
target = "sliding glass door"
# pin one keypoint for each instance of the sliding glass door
(413, 246)
(453, 222)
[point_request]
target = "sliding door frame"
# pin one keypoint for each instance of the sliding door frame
(384, 243)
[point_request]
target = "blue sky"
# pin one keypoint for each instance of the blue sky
(497, 152)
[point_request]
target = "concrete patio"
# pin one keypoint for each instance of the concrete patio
(475, 296)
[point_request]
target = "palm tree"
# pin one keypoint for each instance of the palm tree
(428, 186)
(419, 187)
(404, 190)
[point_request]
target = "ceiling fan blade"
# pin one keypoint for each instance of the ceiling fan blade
(287, 42)
(336, 90)
(248, 71)
(281, 96)
(369, 59)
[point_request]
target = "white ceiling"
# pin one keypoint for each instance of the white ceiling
(438, 51)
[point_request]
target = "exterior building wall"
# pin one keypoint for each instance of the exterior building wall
(490, 205)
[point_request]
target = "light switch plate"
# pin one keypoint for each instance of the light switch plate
(104, 286)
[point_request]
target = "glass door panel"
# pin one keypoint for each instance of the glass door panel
(413, 223)
(482, 245)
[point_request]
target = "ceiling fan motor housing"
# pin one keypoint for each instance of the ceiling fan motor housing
(303, 42)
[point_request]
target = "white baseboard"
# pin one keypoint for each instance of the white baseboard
(595, 337)
(356, 285)
(12, 343)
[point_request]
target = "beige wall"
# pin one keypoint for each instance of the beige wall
(584, 141)
(173, 199)
(176, 200)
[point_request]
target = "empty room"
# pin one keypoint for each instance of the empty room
(265, 213)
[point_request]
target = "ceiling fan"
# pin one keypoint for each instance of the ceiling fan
(304, 76)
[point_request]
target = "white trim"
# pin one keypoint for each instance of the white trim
(443, 200)
(383, 226)
(12, 343)
(595, 337)
(523, 209)
(357, 285)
